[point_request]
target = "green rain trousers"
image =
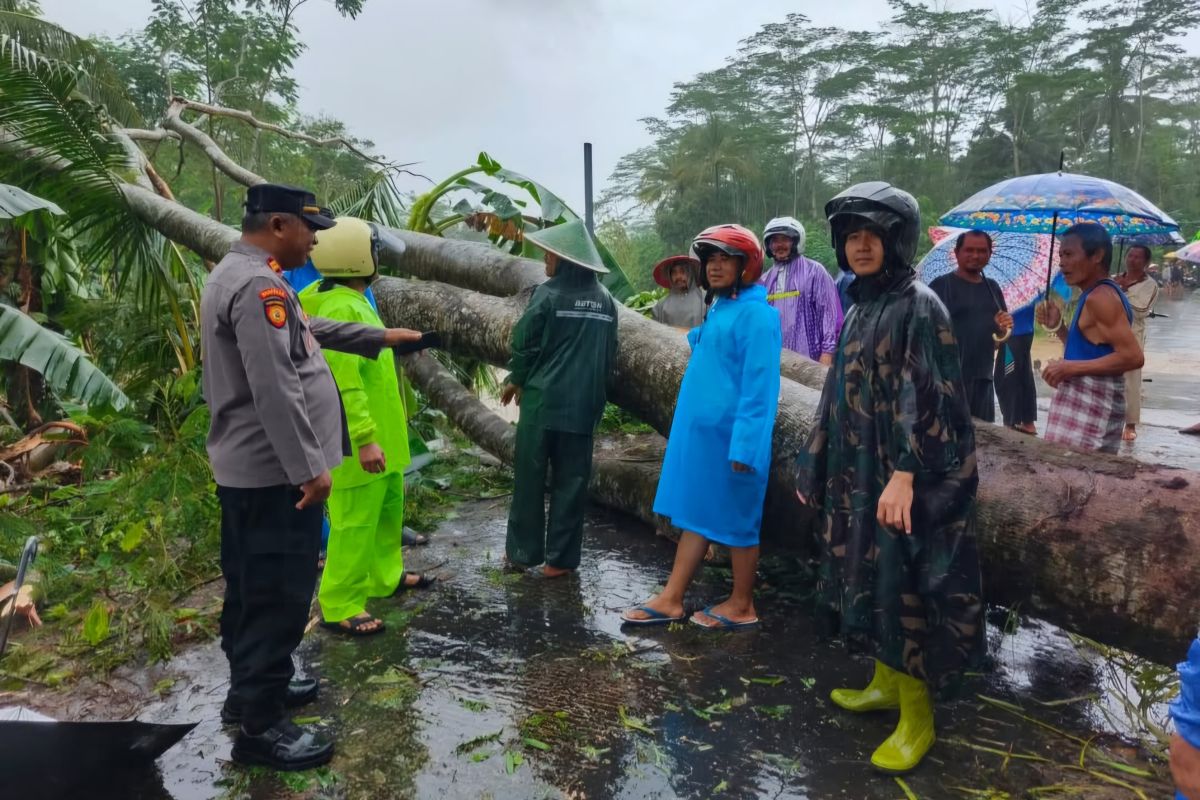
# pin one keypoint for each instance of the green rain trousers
(563, 349)
(568, 457)
(364, 558)
(366, 510)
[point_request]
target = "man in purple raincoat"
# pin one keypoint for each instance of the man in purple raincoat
(810, 311)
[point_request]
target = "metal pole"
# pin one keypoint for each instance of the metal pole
(27, 557)
(1050, 258)
(588, 218)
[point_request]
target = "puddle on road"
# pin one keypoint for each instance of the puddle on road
(514, 687)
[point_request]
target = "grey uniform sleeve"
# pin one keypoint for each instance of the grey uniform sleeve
(347, 337)
(266, 352)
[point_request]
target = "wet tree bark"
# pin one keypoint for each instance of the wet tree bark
(1101, 545)
(624, 476)
(1104, 546)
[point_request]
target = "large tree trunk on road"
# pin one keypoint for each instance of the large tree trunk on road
(1103, 545)
(623, 477)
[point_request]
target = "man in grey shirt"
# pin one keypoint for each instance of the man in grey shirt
(277, 430)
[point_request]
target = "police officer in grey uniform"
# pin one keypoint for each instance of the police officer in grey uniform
(277, 430)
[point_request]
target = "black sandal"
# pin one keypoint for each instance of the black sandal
(423, 582)
(357, 627)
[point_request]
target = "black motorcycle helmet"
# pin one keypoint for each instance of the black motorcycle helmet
(892, 210)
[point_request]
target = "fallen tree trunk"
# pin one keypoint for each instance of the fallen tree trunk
(622, 478)
(1102, 545)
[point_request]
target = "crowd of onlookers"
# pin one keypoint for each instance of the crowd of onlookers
(995, 343)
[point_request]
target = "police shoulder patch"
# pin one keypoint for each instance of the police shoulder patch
(273, 291)
(276, 310)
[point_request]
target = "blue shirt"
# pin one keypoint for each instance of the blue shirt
(843, 286)
(1186, 708)
(1023, 320)
(1023, 317)
(301, 277)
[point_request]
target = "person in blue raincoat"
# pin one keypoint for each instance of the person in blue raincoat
(718, 459)
(1185, 743)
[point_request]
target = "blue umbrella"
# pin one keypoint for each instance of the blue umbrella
(1151, 239)
(1054, 201)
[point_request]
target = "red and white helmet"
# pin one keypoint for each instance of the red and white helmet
(733, 240)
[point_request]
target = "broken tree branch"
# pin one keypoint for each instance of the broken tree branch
(156, 135)
(173, 121)
(179, 104)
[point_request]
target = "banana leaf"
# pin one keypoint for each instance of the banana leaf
(66, 368)
(16, 202)
(553, 210)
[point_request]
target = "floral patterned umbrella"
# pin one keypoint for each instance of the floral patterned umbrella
(1054, 201)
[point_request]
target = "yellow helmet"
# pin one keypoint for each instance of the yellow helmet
(347, 250)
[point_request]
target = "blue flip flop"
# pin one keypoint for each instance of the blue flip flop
(723, 623)
(654, 618)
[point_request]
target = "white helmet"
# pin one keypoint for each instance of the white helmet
(789, 226)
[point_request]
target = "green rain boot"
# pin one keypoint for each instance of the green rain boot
(881, 693)
(913, 737)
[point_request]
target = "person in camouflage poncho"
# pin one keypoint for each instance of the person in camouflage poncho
(890, 468)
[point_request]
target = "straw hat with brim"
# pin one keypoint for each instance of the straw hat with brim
(571, 241)
(662, 270)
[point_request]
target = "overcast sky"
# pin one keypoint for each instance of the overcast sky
(526, 80)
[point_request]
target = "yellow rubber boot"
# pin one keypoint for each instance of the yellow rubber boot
(881, 693)
(913, 737)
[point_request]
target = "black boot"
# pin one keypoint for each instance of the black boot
(299, 693)
(283, 746)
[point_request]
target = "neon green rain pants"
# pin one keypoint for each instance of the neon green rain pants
(363, 558)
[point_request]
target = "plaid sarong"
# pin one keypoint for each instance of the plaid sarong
(1088, 413)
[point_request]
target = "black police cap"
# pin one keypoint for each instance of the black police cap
(278, 198)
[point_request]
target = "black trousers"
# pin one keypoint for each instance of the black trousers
(269, 555)
(1014, 381)
(981, 399)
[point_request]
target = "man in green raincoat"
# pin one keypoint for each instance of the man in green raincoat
(366, 506)
(890, 469)
(563, 348)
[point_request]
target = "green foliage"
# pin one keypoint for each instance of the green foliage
(42, 102)
(62, 95)
(98, 80)
(66, 368)
(618, 420)
(644, 302)
(121, 551)
(801, 111)
(96, 624)
(503, 217)
(455, 476)
(637, 248)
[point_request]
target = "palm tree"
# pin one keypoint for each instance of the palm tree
(63, 146)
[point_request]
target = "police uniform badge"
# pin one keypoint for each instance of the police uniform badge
(274, 305)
